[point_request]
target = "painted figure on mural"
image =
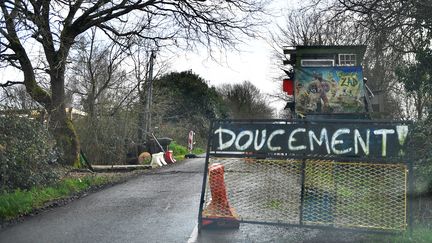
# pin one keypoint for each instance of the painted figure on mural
(320, 87)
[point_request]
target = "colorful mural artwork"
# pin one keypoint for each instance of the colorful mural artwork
(329, 90)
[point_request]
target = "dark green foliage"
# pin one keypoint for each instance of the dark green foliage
(420, 146)
(417, 79)
(189, 93)
(416, 75)
(183, 102)
(27, 154)
(178, 149)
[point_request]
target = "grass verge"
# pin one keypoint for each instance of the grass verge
(21, 202)
(179, 151)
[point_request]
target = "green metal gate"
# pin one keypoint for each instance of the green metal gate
(312, 186)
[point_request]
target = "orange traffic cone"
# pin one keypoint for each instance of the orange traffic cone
(218, 213)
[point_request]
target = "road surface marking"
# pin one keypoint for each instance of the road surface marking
(194, 236)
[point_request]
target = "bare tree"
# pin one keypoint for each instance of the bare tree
(112, 94)
(54, 26)
(141, 55)
(310, 27)
(17, 98)
(96, 73)
(96, 81)
(407, 24)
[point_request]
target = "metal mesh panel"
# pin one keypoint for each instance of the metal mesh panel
(262, 190)
(371, 196)
(355, 195)
(348, 195)
(319, 193)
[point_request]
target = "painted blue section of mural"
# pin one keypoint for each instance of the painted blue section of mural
(329, 89)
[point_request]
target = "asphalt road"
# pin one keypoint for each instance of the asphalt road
(159, 206)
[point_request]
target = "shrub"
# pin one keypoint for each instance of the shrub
(420, 153)
(177, 148)
(27, 154)
(20, 202)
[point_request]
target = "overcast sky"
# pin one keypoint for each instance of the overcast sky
(254, 61)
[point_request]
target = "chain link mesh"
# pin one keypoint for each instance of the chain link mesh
(345, 195)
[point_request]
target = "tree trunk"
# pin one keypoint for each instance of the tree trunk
(418, 102)
(60, 125)
(65, 136)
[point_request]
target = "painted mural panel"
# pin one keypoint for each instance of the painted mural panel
(329, 89)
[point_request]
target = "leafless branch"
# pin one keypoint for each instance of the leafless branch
(11, 83)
